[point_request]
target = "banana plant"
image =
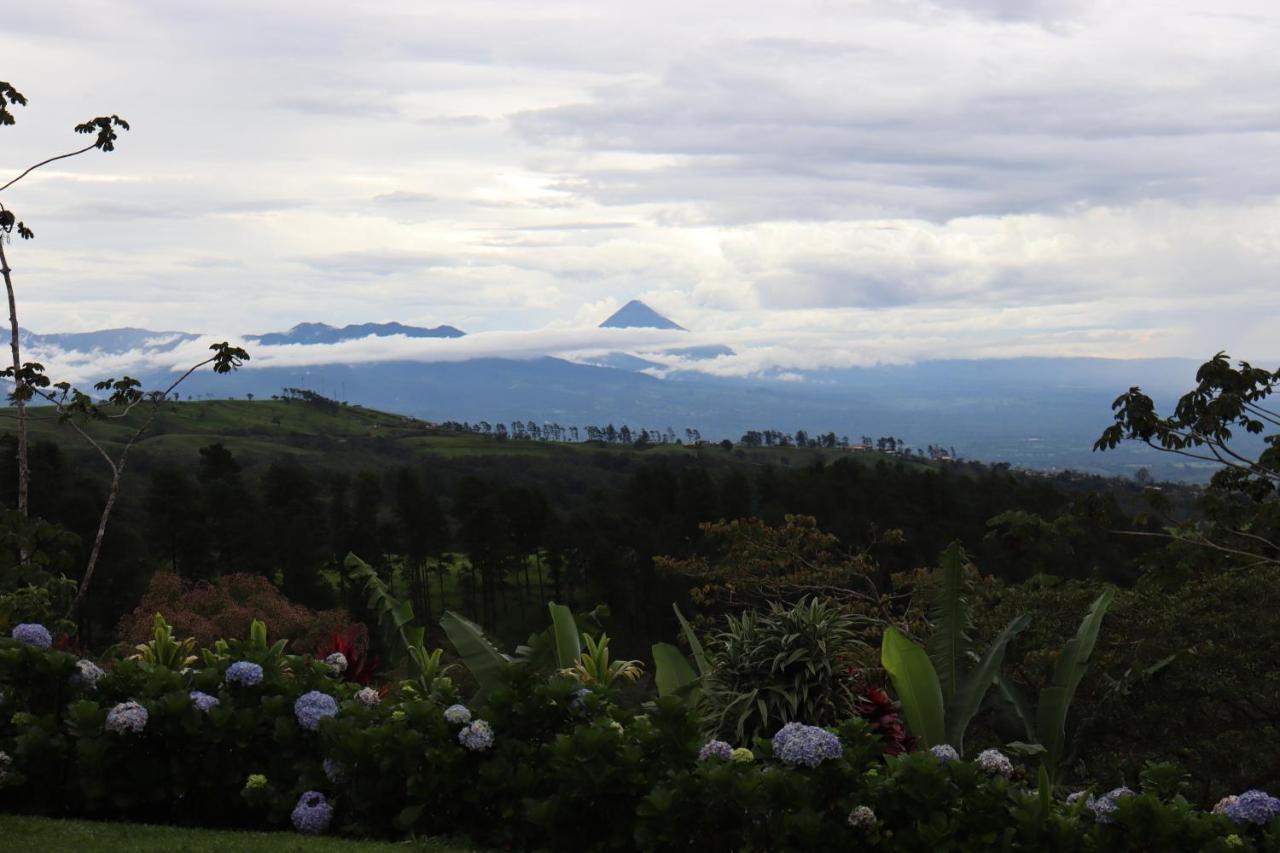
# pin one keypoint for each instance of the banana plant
(671, 670)
(942, 688)
(1046, 727)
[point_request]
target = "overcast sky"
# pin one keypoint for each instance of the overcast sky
(811, 182)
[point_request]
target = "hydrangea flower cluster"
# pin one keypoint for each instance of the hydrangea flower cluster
(368, 696)
(313, 707)
(715, 749)
(126, 718)
(334, 771)
(203, 701)
(1104, 807)
(87, 674)
(337, 663)
(944, 752)
(1072, 799)
(995, 762)
(5, 763)
(862, 817)
(476, 736)
(255, 782)
(1254, 806)
(1225, 803)
(459, 715)
(312, 813)
(742, 755)
(244, 672)
(32, 634)
(796, 743)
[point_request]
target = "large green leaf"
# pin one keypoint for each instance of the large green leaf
(479, 656)
(565, 629)
(968, 697)
(1068, 671)
(917, 686)
(671, 670)
(695, 646)
(948, 644)
(1017, 702)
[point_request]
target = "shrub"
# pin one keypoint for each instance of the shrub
(785, 664)
(226, 608)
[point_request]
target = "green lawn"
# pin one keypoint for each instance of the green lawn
(54, 836)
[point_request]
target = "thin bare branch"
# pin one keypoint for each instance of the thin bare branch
(31, 169)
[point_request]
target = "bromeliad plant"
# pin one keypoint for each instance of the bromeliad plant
(163, 650)
(594, 667)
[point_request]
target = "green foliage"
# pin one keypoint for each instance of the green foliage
(942, 685)
(594, 667)
(164, 651)
(481, 657)
(787, 663)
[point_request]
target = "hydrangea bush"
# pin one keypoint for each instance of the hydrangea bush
(522, 769)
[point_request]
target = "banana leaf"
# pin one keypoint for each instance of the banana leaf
(1068, 671)
(695, 646)
(671, 671)
(479, 656)
(565, 629)
(917, 686)
(973, 689)
(948, 644)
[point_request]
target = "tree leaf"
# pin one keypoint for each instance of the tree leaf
(917, 686)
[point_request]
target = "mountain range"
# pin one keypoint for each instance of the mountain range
(1032, 412)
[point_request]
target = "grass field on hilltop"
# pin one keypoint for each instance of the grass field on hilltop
(56, 836)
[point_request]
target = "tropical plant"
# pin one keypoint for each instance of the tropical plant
(593, 666)
(1046, 728)
(353, 645)
(396, 619)
(781, 665)
(942, 688)
(163, 650)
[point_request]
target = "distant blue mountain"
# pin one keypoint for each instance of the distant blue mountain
(636, 315)
(106, 340)
(701, 353)
(323, 333)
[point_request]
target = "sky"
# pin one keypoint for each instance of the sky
(812, 183)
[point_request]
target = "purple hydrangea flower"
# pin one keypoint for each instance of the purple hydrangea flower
(1072, 799)
(32, 634)
(1104, 807)
(578, 704)
(457, 714)
(312, 813)
(1225, 803)
(1254, 806)
(715, 749)
(87, 674)
(203, 701)
(995, 762)
(126, 718)
(244, 672)
(313, 707)
(945, 752)
(368, 696)
(796, 743)
(334, 771)
(476, 736)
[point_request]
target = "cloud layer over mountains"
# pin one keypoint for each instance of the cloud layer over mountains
(813, 183)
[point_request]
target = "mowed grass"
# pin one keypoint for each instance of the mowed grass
(49, 835)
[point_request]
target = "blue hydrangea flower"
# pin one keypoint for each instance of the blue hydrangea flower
(476, 736)
(244, 672)
(995, 762)
(1254, 806)
(796, 743)
(313, 707)
(715, 749)
(368, 696)
(32, 634)
(334, 771)
(1225, 803)
(1072, 799)
(1104, 807)
(87, 674)
(203, 701)
(459, 715)
(312, 813)
(578, 704)
(862, 817)
(945, 752)
(126, 718)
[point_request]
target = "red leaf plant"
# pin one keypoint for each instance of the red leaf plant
(353, 644)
